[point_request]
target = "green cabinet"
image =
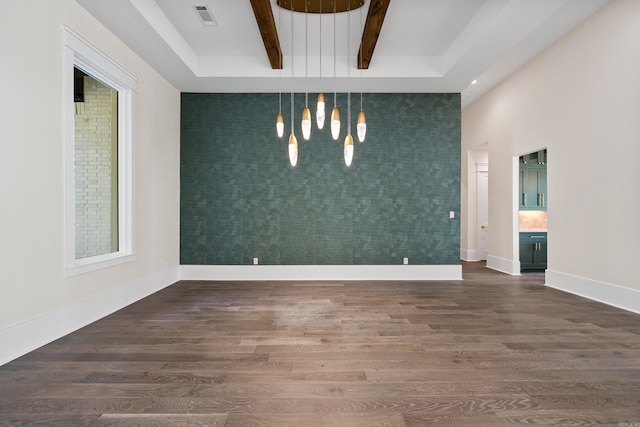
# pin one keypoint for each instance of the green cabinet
(533, 251)
(533, 181)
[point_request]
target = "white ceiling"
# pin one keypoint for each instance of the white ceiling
(424, 45)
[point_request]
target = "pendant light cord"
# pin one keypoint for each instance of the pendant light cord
(335, 85)
(280, 70)
(348, 70)
(292, 68)
(360, 57)
(320, 39)
(306, 55)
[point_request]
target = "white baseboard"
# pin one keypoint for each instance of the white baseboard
(27, 336)
(30, 335)
(616, 296)
(503, 265)
(470, 255)
(321, 272)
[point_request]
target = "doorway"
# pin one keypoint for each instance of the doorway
(532, 211)
(482, 209)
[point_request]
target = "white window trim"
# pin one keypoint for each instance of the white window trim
(80, 53)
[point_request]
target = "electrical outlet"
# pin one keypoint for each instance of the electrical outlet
(405, 261)
(255, 261)
(452, 214)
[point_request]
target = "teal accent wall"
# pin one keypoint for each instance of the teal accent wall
(240, 198)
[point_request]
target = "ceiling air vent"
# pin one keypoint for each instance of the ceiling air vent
(205, 15)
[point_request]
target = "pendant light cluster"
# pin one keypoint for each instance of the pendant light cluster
(348, 149)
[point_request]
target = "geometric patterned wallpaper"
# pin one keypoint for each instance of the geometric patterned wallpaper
(240, 198)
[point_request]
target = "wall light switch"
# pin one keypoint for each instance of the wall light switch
(255, 261)
(405, 261)
(452, 214)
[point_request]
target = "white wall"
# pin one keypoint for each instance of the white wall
(38, 302)
(579, 99)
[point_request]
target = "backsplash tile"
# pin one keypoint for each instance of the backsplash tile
(532, 220)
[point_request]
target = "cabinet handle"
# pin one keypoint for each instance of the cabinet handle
(542, 199)
(524, 199)
(536, 237)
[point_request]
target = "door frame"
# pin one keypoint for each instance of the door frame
(482, 205)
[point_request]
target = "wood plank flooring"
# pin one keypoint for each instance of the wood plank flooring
(492, 350)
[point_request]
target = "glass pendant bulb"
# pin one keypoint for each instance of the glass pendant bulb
(306, 123)
(348, 149)
(320, 112)
(335, 123)
(361, 126)
(293, 150)
(280, 125)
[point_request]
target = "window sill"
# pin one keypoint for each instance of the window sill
(86, 265)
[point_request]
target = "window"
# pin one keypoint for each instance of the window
(95, 163)
(98, 158)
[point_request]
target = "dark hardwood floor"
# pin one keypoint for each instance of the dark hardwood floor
(491, 350)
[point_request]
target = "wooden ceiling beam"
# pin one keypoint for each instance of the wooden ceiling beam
(372, 28)
(268, 30)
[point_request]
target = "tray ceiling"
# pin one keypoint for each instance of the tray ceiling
(423, 45)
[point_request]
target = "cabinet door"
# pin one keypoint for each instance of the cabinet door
(534, 187)
(533, 251)
(540, 255)
(523, 187)
(542, 188)
(526, 256)
(531, 184)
